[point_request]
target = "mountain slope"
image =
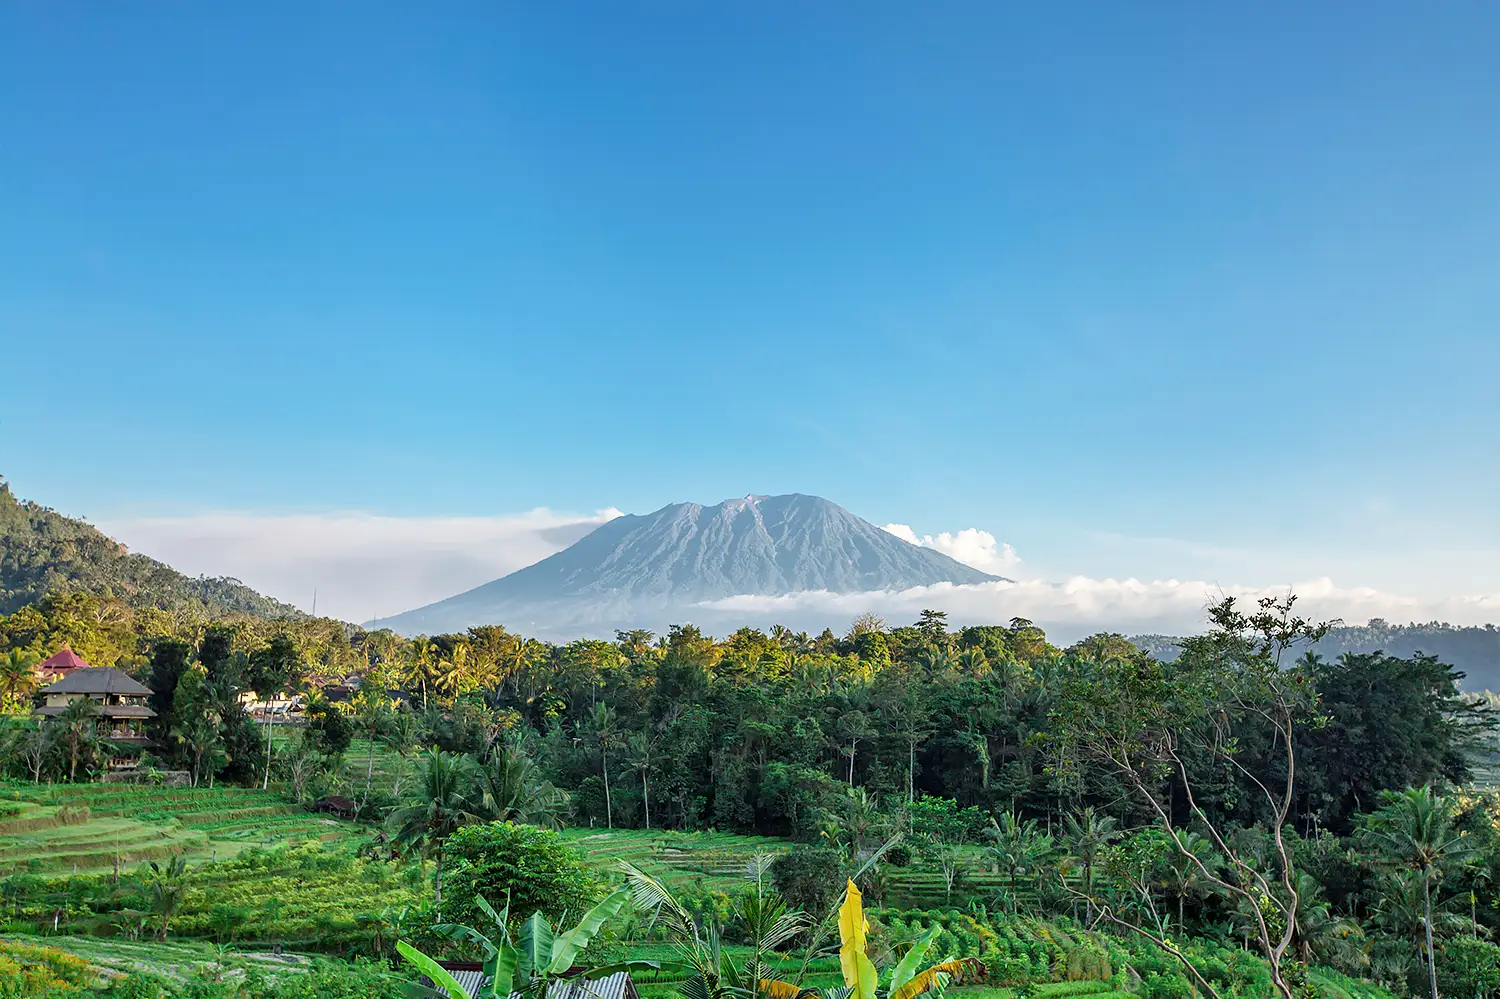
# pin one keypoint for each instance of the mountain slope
(685, 553)
(42, 551)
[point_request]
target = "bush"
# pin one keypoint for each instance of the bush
(1468, 967)
(810, 878)
(538, 869)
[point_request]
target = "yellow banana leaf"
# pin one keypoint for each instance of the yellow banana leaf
(773, 989)
(929, 978)
(859, 972)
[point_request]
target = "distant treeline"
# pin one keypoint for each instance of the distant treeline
(1472, 651)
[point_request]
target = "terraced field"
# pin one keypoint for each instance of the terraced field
(66, 829)
(175, 959)
(716, 861)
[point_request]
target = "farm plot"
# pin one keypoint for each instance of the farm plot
(82, 827)
(713, 861)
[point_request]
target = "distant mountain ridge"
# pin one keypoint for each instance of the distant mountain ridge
(686, 553)
(42, 552)
(1474, 650)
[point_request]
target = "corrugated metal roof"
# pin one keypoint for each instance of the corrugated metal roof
(616, 986)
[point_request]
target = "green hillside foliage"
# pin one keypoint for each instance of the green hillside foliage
(43, 552)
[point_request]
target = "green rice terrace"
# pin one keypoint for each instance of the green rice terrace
(89, 827)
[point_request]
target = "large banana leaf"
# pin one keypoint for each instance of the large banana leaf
(432, 970)
(859, 972)
(906, 970)
(570, 944)
(534, 947)
(936, 977)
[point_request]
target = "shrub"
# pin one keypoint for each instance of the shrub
(538, 869)
(810, 878)
(1468, 967)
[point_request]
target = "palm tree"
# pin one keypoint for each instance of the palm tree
(1414, 833)
(1323, 937)
(1020, 847)
(168, 887)
(80, 730)
(762, 915)
(606, 736)
(515, 791)
(1184, 877)
(443, 799)
(1086, 834)
(642, 747)
(17, 676)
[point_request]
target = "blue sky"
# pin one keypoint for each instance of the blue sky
(1207, 290)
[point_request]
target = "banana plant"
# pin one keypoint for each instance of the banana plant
(522, 962)
(762, 914)
(862, 981)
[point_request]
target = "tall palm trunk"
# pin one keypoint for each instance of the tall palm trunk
(437, 886)
(646, 795)
(1427, 929)
(369, 774)
(609, 811)
(911, 772)
(266, 783)
(853, 744)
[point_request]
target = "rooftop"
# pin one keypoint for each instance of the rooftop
(97, 680)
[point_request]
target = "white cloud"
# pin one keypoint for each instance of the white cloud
(362, 565)
(971, 546)
(1080, 605)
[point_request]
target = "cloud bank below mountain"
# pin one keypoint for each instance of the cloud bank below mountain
(1081, 605)
(365, 565)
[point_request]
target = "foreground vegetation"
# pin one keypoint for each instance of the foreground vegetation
(1243, 820)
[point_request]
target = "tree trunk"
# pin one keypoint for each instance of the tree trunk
(1181, 925)
(1427, 929)
(369, 774)
(437, 886)
(266, 782)
(852, 744)
(646, 794)
(609, 811)
(911, 772)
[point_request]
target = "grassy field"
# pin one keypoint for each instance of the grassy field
(75, 828)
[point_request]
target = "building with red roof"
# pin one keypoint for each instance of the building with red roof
(59, 664)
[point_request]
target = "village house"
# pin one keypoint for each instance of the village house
(119, 700)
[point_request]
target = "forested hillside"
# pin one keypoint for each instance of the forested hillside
(1472, 651)
(43, 552)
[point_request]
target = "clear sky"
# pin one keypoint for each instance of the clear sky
(1205, 290)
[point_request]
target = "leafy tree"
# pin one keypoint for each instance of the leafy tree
(1151, 725)
(276, 667)
(807, 877)
(534, 868)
